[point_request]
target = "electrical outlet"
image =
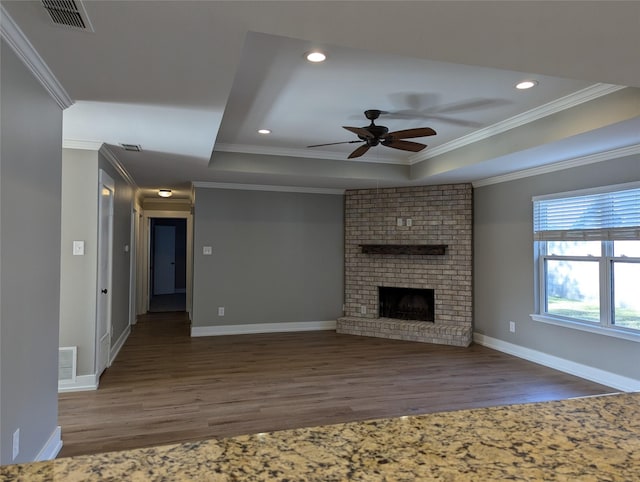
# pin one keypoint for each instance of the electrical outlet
(512, 326)
(363, 310)
(207, 250)
(409, 222)
(16, 443)
(220, 310)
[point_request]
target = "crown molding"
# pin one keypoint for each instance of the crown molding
(81, 144)
(259, 187)
(20, 44)
(287, 152)
(156, 199)
(558, 166)
(115, 162)
(576, 98)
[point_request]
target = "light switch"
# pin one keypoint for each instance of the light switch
(399, 221)
(409, 222)
(207, 250)
(78, 248)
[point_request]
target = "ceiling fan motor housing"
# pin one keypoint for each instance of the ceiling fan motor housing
(376, 131)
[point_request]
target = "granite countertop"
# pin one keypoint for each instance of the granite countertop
(586, 439)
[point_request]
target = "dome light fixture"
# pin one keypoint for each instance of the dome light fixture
(526, 84)
(264, 131)
(165, 193)
(316, 56)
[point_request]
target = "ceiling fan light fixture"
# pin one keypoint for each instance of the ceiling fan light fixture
(316, 56)
(526, 84)
(264, 132)
(165, 193)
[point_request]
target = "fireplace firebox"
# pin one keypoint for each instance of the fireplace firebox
(406, 303)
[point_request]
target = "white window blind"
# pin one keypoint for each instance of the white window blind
(590, 216)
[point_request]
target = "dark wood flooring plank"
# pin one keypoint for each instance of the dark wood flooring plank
(166, 387)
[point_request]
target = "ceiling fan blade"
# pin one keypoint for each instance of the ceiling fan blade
(359, 151)
(335, 143)
(360, 131)
(404, 145)
(409, 133)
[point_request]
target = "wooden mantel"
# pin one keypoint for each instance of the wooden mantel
(412, 249)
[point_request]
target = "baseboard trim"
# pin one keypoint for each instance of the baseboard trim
(83, 383)
(221, 330)
(596, 375)
(115, 349)
(52, 447)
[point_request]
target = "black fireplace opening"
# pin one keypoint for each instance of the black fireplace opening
(406, 303)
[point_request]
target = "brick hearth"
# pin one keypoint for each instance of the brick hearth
(440, 215)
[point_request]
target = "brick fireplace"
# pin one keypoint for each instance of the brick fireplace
(410, 237)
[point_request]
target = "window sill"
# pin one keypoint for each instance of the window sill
(576, 325)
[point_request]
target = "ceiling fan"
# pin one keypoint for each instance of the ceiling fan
(372, 135)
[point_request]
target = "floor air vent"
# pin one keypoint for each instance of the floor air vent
(67, 363)
(68, 13)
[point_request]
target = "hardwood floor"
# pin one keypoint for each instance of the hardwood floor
(166, 387)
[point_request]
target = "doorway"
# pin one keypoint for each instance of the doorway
(167, 264)
(106, 190)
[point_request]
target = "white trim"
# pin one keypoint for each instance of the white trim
(20, 44)
(303, 153)
(612, 188)
(52, 446)
(258, 187)
(83, 383)
(117, 346)
(576, 325)
(81, 144)
(155, 199)
(576, 98)
(596, 375)
(221, 330)
(117, 165)
(558, 166)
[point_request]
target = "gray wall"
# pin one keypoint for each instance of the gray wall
(79, 273)
(277, 257)
(30, 173)
(504, 268)
(121, 281)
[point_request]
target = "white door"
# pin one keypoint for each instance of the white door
(106, 189)
(164, 262)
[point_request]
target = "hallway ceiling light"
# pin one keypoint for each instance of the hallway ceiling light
(316, 56)
(165, 193)
(526, 84)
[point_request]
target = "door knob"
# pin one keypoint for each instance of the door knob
(104, 291)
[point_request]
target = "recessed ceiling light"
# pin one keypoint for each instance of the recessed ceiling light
(526, 84)
(165, 193)
(264, 131)
(316, 56)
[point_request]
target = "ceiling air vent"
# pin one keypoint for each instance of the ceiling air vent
(68, 13)
(132, 147)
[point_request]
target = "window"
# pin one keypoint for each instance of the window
(587, 250)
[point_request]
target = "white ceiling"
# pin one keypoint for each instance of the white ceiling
(183, 79)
